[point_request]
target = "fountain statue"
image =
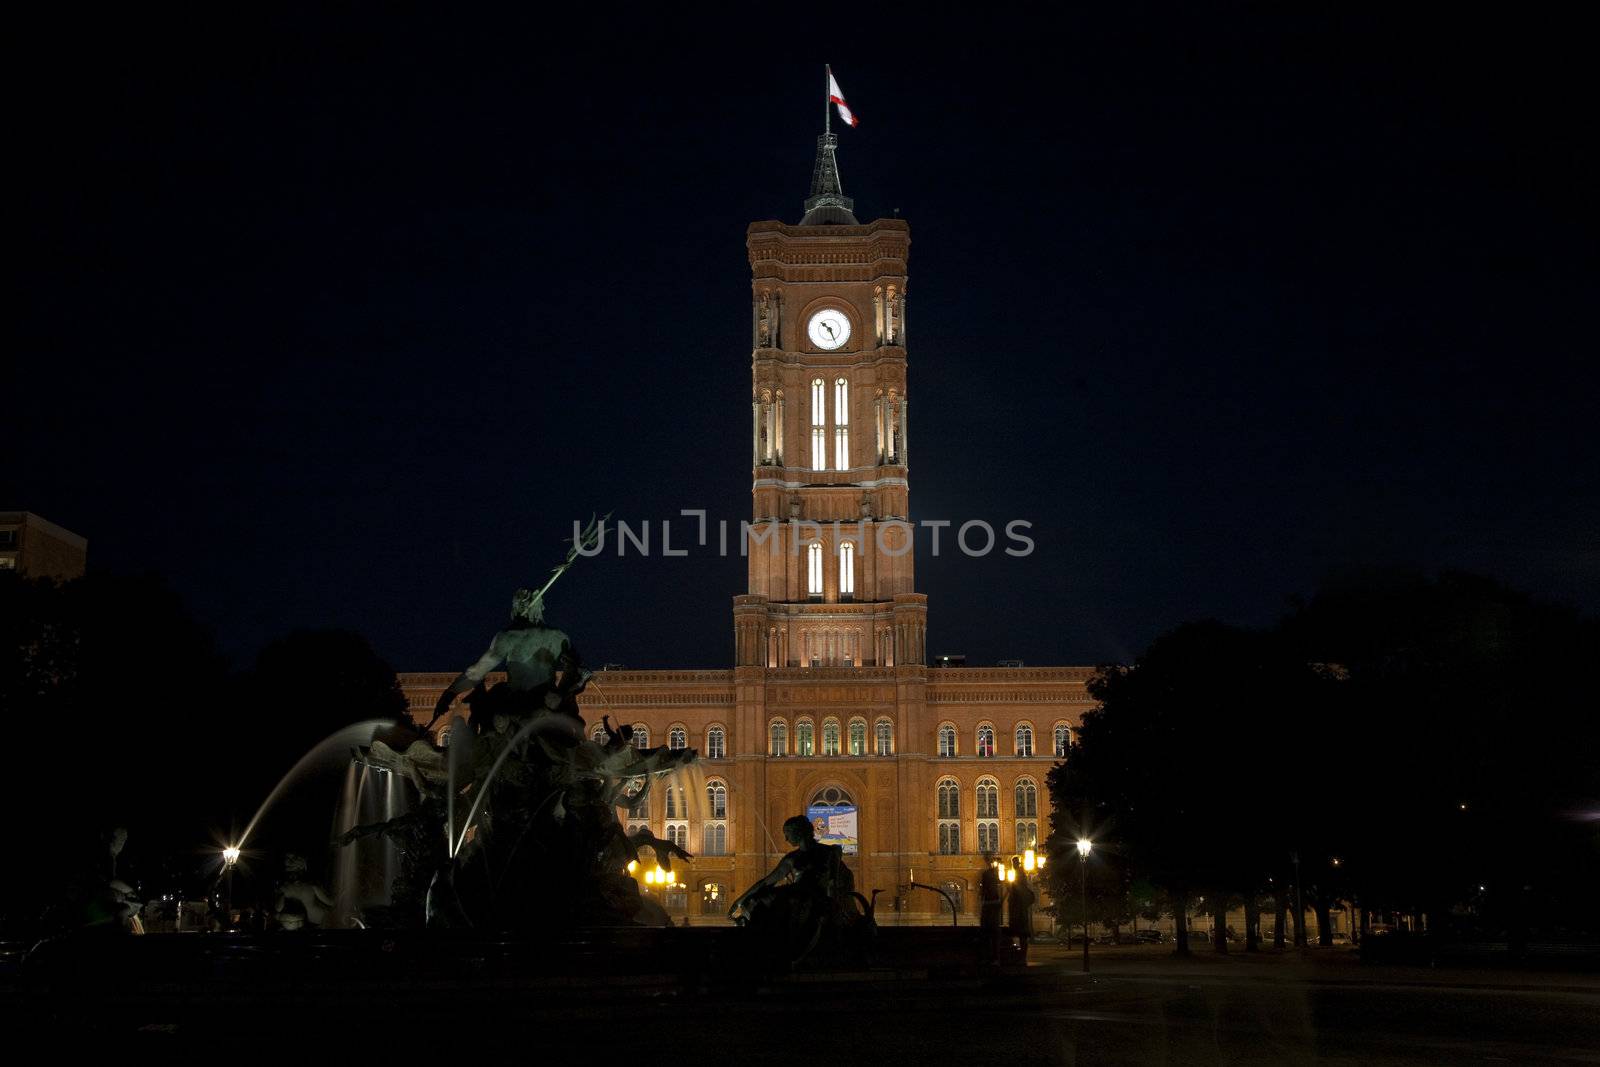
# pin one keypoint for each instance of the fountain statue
(807, 901)
(515, 823)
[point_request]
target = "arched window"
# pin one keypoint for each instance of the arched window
(858, 737)
(677, 805)
(677, 738)
(814, 569)
(597, 734)
(716, 743)
(1026, 796)
(988, 798)
(1024, 739)
(819, 425)
(841, 425)
(638, 802)
(947, 740)
(715, 832)
(830, 737)
(847, 570)
(986, 740)
(804, 738)
(641, 735)
(778, 738)
(956, 892)
(949, 799)
(834, 818)
(1027, 834)
(988, 815)
(678, 834)
(883, 737)
(1063, 740)
(713, 897)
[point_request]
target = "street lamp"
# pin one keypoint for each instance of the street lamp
(1084, 845)
(230, 860)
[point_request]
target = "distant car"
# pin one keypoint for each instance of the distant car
(1147, 937)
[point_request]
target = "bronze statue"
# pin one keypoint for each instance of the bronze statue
(808, 896)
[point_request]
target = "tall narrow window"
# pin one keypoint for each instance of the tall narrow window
(804, 738)
(677, 738)
(677, 819)
(819, 425)
(988, 815)
(841, 425)
(716, 743)
(847, 570)
(858, 737)
(1063, 740)
(1024, 740)
(641, 735)
(1026, 796)
(988, 798)
(814, 569)
(947, 741)
(883, 737)
(949, 817)
(830, 737)
(778, 739)
(986, 740)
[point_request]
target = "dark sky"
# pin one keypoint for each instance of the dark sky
(340, 319)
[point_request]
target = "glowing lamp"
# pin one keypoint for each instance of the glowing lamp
(1084, 845)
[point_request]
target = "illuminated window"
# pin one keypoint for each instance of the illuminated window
(677, 806)
(841, 425)
(1027, 835)
(714, 836)
(988, 798)
(847, 570)
(858, 737)
(1026, 796)
(819, 425)
(678, 834)
(949, 799)
(713, 897)
(986, 740)
(949, 838)
(830, 737)
(778, 739)
(804, 739)
(641, 735)
(1024, 740)
(597, 734)
(814, 569)
(677, 738)
(1063, 740)
(988, 837)
(955, 891)
(947, 740)
(716, 743)
(883, 737)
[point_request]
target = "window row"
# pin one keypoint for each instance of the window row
(677, 738)
(819, 424)
(1021, 740)
(847, 569)
(880, 742)
(986, 829)
(713, 818)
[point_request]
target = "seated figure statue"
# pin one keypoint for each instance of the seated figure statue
(809, 894)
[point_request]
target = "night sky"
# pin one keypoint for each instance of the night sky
(341, 319)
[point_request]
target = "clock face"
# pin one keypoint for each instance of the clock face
(828, 329)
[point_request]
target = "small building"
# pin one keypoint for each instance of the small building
(37, 548)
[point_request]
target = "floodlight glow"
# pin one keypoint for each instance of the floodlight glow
(230, 855)
(1084, 845)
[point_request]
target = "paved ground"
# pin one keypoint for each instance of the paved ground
(1139, 1005)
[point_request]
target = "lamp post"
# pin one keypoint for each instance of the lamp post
(1084, 845)
(230, 859)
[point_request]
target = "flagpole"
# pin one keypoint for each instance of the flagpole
(827, 101)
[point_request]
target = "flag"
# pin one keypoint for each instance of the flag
(836, 95)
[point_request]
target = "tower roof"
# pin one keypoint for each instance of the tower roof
(827, 205)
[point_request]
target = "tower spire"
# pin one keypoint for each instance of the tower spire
(827, 205)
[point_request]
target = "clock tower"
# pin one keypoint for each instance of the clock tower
(830, 545)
